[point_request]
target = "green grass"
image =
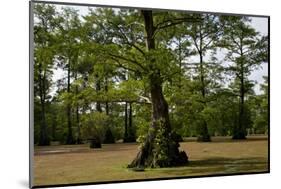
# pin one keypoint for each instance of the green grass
(78, 163)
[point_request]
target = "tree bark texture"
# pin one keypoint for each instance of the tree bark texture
(159, 149)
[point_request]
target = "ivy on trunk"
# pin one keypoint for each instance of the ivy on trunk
(159, 149)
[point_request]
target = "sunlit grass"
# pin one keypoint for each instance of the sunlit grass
(79, 163)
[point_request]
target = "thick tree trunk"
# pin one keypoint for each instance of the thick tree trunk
(203, 130)
(159, 148)
(43, 137)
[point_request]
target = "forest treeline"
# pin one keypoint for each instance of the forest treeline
(151, 76)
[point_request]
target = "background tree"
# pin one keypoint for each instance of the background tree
(246, 50)
(44, 53)
(68, 58)
(203, 35)
(259, 107)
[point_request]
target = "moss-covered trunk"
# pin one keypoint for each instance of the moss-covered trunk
(159, 149)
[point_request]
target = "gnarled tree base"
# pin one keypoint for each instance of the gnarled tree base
(148, 156)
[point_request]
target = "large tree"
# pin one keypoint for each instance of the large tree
(44, 52)
(138, 46)
(203, 36)
(162, 152)
(246, 50)
(68, 59)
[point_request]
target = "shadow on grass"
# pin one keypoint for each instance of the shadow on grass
(226, 161)
(217, 166)
(84, 148)
(228, 139)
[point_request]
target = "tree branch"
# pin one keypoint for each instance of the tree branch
(173, 22)
(128, 60)
(123, 36)
(122, 66)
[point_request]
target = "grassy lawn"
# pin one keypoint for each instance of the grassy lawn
(78, 163)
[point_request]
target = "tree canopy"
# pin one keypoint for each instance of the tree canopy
(152, 76)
